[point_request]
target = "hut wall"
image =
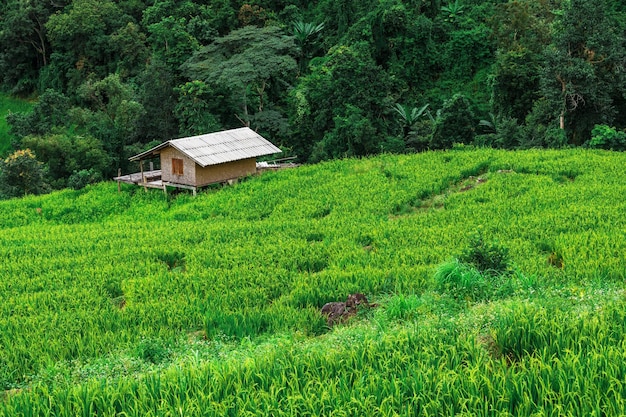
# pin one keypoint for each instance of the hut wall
(189, 167)
(226, 171)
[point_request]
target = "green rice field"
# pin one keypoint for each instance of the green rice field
(141, 304)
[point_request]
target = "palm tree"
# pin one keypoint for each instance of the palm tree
(453, 10)
(305, 34)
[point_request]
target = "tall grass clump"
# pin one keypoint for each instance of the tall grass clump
(482, 272)
(488, 258)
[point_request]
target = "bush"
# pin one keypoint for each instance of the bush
(455, 124)
(153, 351)
(80, 179)
(21, 174)
(606, 137)
(488, 258)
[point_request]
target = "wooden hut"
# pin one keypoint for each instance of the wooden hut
(198, 161)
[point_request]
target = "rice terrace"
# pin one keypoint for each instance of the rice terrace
(497, 279)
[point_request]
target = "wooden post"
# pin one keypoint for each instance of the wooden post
(151, 166)
(119, 174)
(143, 177)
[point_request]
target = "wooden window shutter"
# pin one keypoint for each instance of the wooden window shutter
(177, 166)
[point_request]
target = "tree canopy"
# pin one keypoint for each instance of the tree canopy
(321, 79)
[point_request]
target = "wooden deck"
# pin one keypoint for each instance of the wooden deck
(149, 179)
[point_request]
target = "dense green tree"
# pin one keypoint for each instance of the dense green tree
(466, 52)
(404, 44)
(340, 15)
(194, 109)
(132, 53)
(306, 35)
(81, 39)
(515, 83)
(607, 137)
(256, 66)
(178, 28)
(156, 85)
(50, 111)
(455, 123)
(112, 114)
(66, 153)
(21, 174)
(353, 134)
(24, 47)
(582, 76)
(522, 25)
(333, 94)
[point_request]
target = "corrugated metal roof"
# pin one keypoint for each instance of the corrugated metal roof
(219, 147)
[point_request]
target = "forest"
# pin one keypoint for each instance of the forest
(323, 79)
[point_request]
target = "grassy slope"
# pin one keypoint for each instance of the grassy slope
(8, 104)
(89, 293)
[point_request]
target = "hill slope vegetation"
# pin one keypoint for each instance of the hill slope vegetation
(136, 304)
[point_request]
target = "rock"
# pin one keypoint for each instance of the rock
(355, 300)
(335, 311)
(338, 312)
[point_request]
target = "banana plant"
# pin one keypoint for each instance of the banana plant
(453, 11)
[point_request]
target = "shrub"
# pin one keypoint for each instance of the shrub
(606, 137)
(153, 351)
(455, 124)
(488, 258)
(21, 174)
(80, 179)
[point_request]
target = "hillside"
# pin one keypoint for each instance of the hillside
(321, 79)
(138, 304)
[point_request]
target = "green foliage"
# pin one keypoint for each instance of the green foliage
(21, 174)
(83, 41)
(51, 110)
(175, 261)
(488, 258)
(152, 350)
(352, 135)
(453, 10)
(82, 178)
(333, 115)
(579, 75)
(157, 95)
(462, 281)
(606, 137)
(8, 106)
(305, 35)
(515, 83)
(253, 65)
(455, 123)
(194, 109)
(24, 49)
(112, 114)
(69, 156)
(480, 273)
